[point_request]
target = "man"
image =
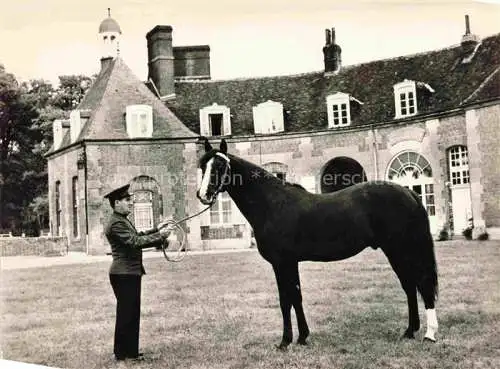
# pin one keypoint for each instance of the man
(126, 270)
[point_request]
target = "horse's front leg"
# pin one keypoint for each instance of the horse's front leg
(282, 278)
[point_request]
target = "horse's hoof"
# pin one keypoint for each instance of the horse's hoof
(282, 347)
(428, 339)
(302, 341)
(408, 335)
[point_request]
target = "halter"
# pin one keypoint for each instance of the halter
(227, 173)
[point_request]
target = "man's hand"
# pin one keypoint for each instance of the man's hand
(163, 223)
(165, 232)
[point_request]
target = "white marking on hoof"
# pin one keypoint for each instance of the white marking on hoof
(432, 325)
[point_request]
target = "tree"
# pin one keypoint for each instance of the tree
(18, 139)
(27, 112)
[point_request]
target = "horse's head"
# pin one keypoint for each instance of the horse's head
(216, 172)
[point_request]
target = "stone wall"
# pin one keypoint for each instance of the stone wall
(33, 246)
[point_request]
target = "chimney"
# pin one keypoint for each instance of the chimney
(105, 63)
(469, 41)
(192, 62)
(161, 60)
(74, 125)
(332, 52)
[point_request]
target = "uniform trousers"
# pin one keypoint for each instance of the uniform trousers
(127, 290)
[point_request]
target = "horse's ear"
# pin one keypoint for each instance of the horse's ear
(223, 146)
(208, 147)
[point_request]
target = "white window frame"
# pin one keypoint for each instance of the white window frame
(219, 215)
(405, 98)
(338, 110)
(75, 207)
(139, 121)
(146, 207)
(205, 127)
(268, 117)
(458, 162)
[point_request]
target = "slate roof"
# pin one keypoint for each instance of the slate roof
(304, 96)
(114, 89)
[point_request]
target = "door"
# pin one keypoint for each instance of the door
(413, 171)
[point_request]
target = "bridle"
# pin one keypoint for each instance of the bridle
(226, 175)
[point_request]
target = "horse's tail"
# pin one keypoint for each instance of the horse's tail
(424, 255)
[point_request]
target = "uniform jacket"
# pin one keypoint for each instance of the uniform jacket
(127, 244)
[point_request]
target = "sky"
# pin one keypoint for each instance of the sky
(247, 38)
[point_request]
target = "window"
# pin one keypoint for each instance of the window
(215, 120)
(459, 165)
(412, 170)
(143, 210)
(139, 121)
(338, 110)
(220, 212)
(74, 192)
(277, 169)
(215, 124)
(268, 117)
(405, 97)
(58, 208)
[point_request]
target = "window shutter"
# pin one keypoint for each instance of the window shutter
(226, 123)
(204, 129)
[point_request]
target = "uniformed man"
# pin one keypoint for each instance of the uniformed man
(126, 270)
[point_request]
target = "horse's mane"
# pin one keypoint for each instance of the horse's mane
(296, 185)
(251, 166)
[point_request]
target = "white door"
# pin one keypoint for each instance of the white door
(461, 203)
(461, 207)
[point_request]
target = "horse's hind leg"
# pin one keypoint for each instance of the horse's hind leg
(297, 305)
(405, 273)
(287, 277)
(426, 286)
(427, 280)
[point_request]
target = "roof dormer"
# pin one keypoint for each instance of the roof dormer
(139, 121)
(215, 120)
(338, 106)
(268, 117)
(406, 96)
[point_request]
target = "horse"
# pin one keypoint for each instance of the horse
(292, 225)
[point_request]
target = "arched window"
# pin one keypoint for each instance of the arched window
(148, 202)
(143, 210)
(409, 164)
(412, 170)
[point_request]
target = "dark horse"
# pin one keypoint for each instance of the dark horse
(293, 225)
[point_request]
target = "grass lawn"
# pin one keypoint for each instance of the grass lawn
(222, 311)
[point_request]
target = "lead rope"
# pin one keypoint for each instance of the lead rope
(179, 251)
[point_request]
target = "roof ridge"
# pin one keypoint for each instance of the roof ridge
(344, 67)
(481, 86)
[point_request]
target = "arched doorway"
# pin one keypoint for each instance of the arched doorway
(341, 172)
(413, 171)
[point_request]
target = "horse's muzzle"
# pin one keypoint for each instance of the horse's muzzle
(203, 200)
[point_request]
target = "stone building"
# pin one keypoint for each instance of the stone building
(429, 121)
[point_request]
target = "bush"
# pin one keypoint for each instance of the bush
(483, 236)
(443, 235)
(467, 233)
